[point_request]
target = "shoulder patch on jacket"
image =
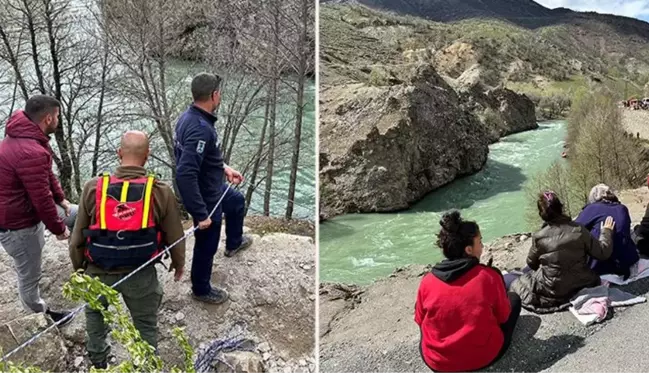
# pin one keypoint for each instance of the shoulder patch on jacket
(200, 147)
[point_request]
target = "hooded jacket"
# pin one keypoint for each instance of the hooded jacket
(559, 261)
(29, 191)
(460, 307)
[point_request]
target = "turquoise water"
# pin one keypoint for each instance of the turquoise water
(360, 248)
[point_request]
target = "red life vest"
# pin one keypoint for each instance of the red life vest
(124, 234)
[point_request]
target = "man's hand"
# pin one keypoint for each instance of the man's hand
(233, 176)
(205, 223)
(66, 206)
(64, 236)
(178, 272)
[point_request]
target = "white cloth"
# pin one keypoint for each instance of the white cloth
(638, 271)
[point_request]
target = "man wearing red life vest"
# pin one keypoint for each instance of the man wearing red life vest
(124, 220)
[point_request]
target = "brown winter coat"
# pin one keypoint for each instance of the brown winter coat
(559, 262)
(165, 212)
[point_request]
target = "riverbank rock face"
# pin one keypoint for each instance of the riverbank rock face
(48, 352)
(384, 147)
(271, 286)
(502, 111)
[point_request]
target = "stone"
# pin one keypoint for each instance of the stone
(266, 356)
(302, 362)
(47, 352)
(264, 347)
(312, 297)
(75, 331)
(306, 267)
(523, 238)
(77, 361)
(287, 369)
(179, 316)
(241, 361)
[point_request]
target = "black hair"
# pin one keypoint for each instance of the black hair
(204, 85)
(37, 107)
(456, 235)
(550, 207)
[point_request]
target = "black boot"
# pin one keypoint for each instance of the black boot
(58, 316)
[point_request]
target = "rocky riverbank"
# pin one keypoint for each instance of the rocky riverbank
(372, 328)
(385, 144)
(271, 288)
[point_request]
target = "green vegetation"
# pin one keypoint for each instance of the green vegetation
(553, 62)
(83, 288)
(600, 151)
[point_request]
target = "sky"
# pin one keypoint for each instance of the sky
(629, 8)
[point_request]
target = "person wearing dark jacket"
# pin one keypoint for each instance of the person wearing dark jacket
(559, 257)
(200, 178)
(31, 197)
(465, 315)
(602, 202)
(641, 232)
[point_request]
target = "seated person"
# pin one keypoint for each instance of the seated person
(465, 315)
(641, 232)
(558, 258)
(602, 202)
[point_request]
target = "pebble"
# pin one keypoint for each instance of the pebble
(264, 347)
(523, 238)
(179, 316)
(302, 362)
(311, 367)
(231, 273)
(284, 355)
(77, 361)
(250, 263)
(312, 297)
(306, 267)
(288, 369)
(266, 356)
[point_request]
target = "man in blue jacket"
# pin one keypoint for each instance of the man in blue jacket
(200, 177)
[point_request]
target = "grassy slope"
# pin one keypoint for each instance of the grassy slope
(354, 38)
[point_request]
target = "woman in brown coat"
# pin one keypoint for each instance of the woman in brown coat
(559, 257)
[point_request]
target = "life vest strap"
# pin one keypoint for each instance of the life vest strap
(124, 195)
(147, 201)
(104, 192)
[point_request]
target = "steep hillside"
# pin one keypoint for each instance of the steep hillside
(566, 52)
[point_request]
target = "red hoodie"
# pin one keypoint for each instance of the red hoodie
(29, 191)
(459, 310)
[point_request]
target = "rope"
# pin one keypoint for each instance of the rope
(77, 310)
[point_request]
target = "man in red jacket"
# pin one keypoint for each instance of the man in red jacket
(31, 196)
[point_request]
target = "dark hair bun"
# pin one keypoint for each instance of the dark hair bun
(451, 221)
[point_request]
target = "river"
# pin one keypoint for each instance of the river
(359, 248)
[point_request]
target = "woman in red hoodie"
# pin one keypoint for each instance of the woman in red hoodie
(465, 315)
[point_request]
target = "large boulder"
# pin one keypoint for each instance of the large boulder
(47, 352)
(385, 147)
(502, 111)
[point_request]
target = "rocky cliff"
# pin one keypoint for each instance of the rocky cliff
(271, 285)
(372, 328)
(384, 147)
(502, 111)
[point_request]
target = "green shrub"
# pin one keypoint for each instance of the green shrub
(83, 288)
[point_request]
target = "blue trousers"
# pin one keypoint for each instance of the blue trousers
(207, 240)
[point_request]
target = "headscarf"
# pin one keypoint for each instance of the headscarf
(600, 192)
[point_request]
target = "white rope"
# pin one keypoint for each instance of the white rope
(77, 310)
